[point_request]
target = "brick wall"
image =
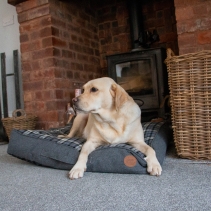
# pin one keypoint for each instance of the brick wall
(114, 28)
(160, 15)
(193, 25)
(65, 43)
(59, 49)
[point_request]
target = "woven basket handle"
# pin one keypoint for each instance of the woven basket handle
(15, 113)
(169, 53)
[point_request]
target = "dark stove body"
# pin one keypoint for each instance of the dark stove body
(143, 74)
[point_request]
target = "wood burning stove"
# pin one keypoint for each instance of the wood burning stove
(143, 75)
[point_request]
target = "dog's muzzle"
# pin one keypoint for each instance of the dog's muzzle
(75, 102)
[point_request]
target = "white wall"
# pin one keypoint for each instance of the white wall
(9, 41)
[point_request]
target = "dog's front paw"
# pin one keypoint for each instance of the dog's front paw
(153, 167)
(77, 171)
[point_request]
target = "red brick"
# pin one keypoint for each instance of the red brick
(56, 52)
(58, 42)
(82, 57)
(36, 75)
(36, 45)
(26, 66)
(24, 38)
(38, 12)
(25, 47)
(204, 37)
(40, 106)
(58, 23)
(59, 94)
(22, 17)
(195, 2)
(86, 33)
(88, 50)
(97, 53)
(49, 62)
(101, 34)
(184, 13)
(38, 95)
(73, 28)
(120, 30)
(26, 5)
(87, 41)
(25, 28)
(25, 56)
(49, 73)
(50, 84)
(55, 31)
(74, 38)
(206, 47)
(67, 54)
(45, 32)
(121, 16)
(43, 53)
(76, 47)
(187, 40)
(34, 35)
(61, 83)
(35, 24)
(185, 50)
(94, 60)
(41, 2)
(51, 105)
(168, 37)
(28, 106)
(58, 73)
(205, 23)
(84, 16)
(35, 65)
(179, 3)
(200, 10)
(52, 115)
(25, 76)
(47, 42)
(33, 85)
(45, 21)
(69, 74)
(28, 96)
(65, 64)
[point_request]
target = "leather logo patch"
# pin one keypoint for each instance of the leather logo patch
(130, 161)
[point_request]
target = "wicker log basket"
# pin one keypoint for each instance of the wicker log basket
(190, 97)
(24, 121)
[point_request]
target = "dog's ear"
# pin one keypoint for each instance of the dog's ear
(119, 94)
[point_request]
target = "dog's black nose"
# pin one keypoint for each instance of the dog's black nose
(75, 99)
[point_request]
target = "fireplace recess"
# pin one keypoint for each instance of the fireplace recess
(143, 75)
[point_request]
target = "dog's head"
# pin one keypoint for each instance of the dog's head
(101, 93)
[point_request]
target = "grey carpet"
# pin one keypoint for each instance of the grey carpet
(184, 185)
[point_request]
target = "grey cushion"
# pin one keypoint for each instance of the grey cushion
(44, 148)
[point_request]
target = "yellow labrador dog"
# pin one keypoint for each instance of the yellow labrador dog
(106, 114)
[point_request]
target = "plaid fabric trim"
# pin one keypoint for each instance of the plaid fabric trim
(40, 134)
(150, 131)
(123, 146)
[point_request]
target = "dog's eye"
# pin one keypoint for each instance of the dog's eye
(82, 91)
(93, 89)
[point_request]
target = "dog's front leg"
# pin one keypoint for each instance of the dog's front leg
(78, 169)
(153, 165)
(78, 125)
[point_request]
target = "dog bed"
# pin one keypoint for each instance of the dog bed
(46, 149)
